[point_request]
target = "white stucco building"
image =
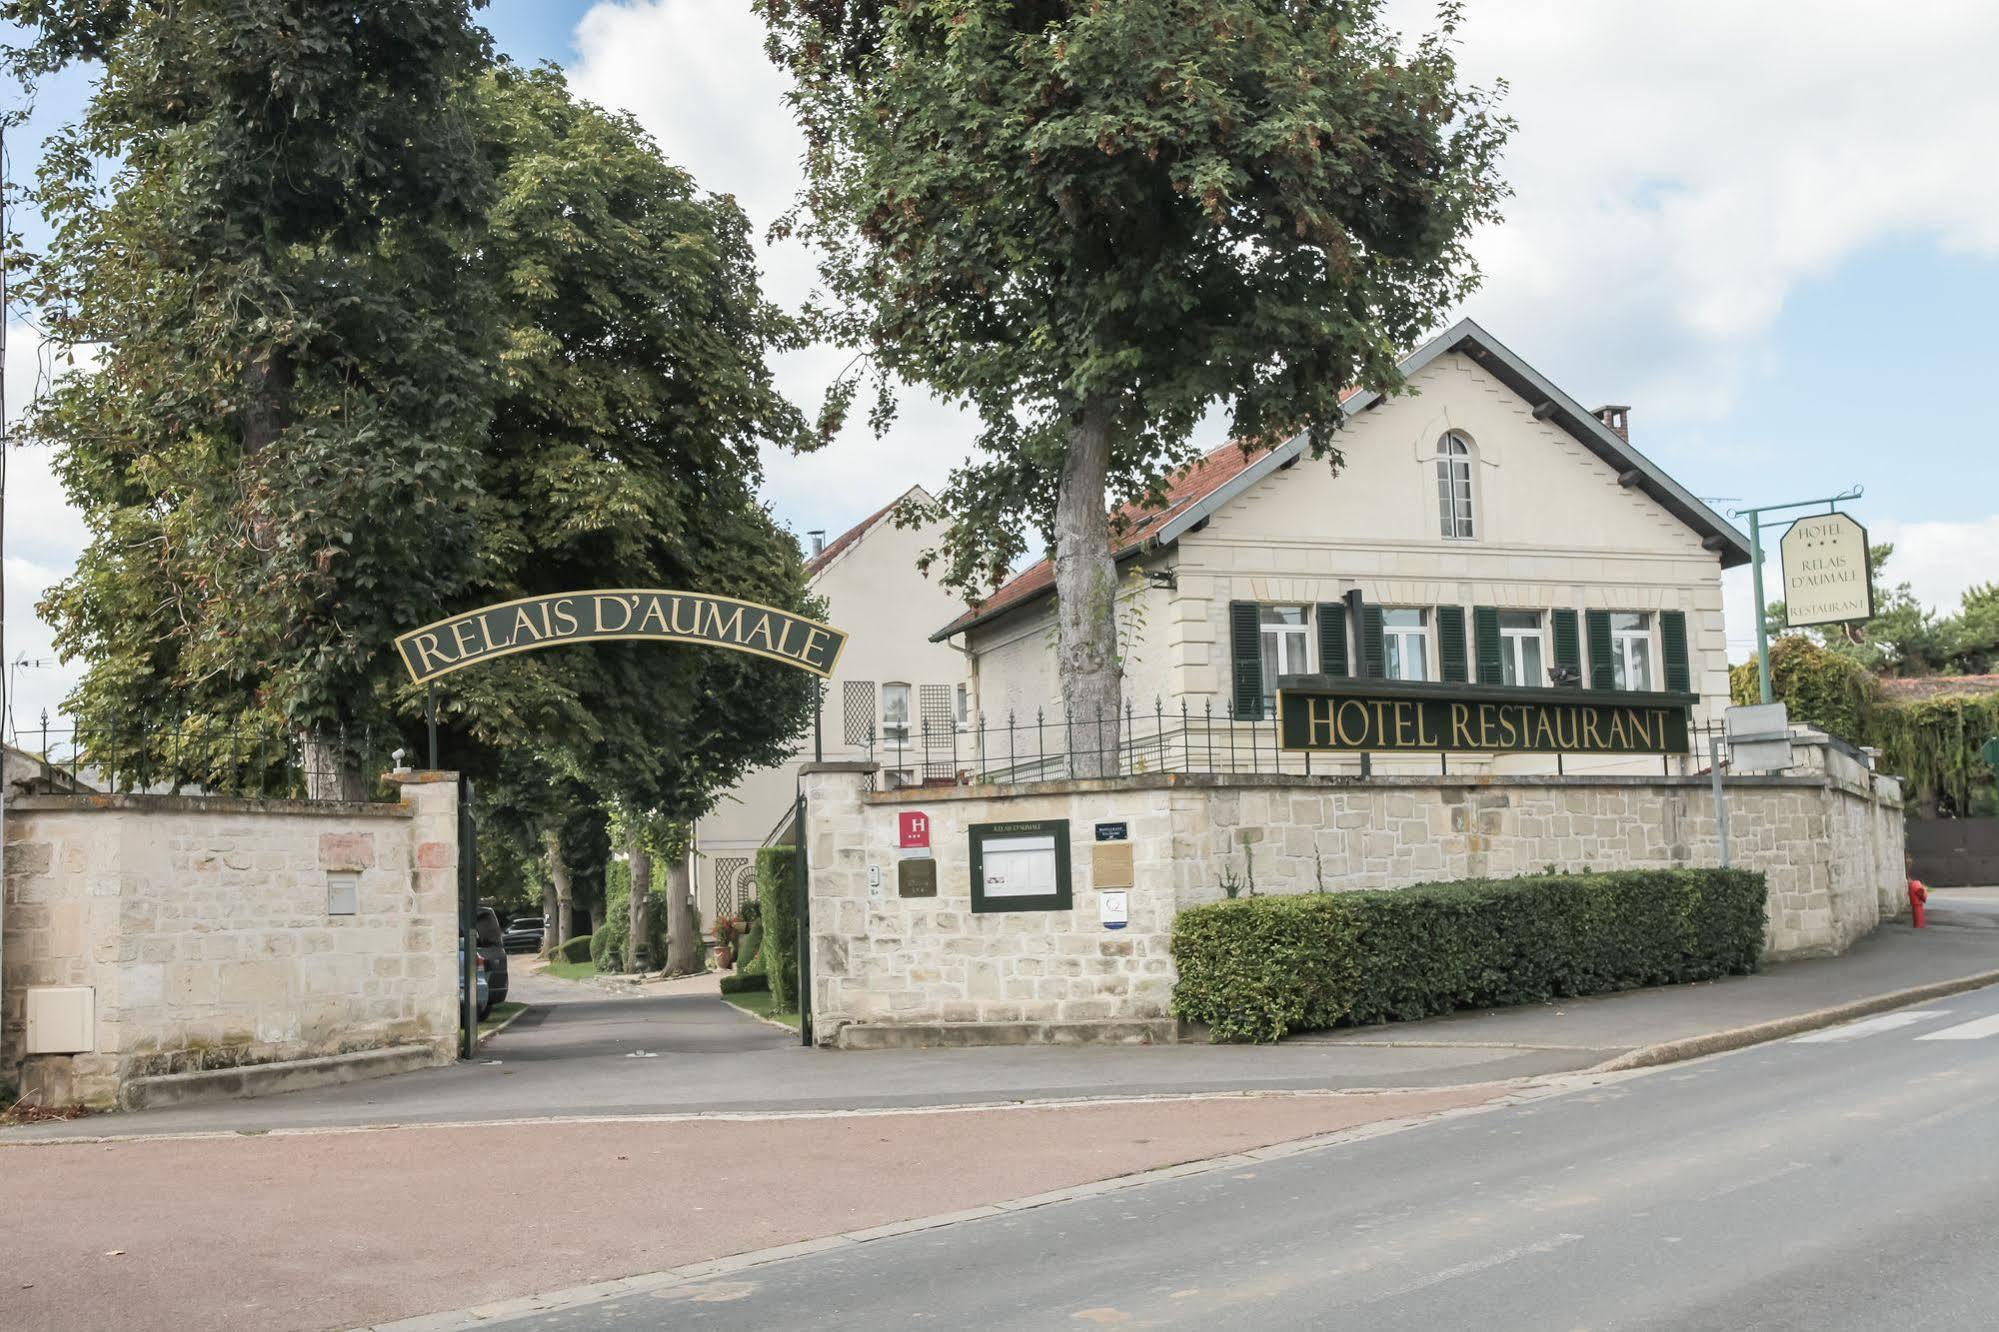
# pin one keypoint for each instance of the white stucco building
(891, 682)
(1484, 528)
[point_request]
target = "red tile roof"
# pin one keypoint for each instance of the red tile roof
(1939, 686)
(1183, 490)
(850, 536)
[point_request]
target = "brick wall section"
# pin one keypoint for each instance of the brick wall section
(201, 925)
(1828, 836)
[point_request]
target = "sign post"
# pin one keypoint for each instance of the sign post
(1755, 516)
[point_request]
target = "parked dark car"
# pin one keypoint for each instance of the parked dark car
(524, 935)
(491, 947)
(484, 994)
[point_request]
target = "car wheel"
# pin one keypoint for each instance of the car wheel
(484, 1009)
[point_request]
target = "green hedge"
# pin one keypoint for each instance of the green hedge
(739, 983)
(749, 951)
(576, 950)
(778, 892)
(1256, 968)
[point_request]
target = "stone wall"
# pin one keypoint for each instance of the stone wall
(891, 970)
(202, 927)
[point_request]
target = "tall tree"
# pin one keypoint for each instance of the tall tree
(1093, 221)
(275, 455)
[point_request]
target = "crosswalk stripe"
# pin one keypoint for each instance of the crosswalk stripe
(1873, 1026)
(1976, 1029)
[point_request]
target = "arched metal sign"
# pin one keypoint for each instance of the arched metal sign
(611, 613)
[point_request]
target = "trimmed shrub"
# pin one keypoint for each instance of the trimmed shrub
(749, 955)
(607, 948)
(777, 890)
(576, 950)
(743, 984)
(1257, 968)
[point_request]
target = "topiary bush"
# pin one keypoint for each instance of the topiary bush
(741, 983)
(1257, 968)
(749, 957)
(576, 950)
(778, 892)
(607, 948)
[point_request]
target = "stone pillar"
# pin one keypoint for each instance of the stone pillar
(432, 798)
(836, 862)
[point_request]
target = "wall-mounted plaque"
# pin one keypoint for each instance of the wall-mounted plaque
(916, 877)
(1021, 866)
(1110, 865)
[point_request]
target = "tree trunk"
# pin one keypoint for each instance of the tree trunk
(549, 911)
(640, 861)
(683, 941)
(558, 876)
(1086, 597)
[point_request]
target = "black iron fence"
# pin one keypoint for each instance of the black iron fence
(193, 756)
(1053, 745)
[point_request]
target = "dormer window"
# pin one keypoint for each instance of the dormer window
(1454, 511)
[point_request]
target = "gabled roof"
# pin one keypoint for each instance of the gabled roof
(840, 543)
(1219, 477)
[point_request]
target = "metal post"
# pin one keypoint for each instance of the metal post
(430, 720)
(802, 913)
(818, 721)
(468, 909)
(1762, 621)
(1720, 808)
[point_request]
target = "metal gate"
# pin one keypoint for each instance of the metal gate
(1954, 853)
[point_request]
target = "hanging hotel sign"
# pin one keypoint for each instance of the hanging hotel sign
(618, 613)
(1827, 579)
(1383, 717)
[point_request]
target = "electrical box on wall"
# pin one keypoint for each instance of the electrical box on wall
(61, 1019)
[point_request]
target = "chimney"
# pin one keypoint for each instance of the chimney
(818, 535)
(1618, 419)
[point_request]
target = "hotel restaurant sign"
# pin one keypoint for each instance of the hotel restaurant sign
(606, 614)
(1326, 713)
(1827, 579)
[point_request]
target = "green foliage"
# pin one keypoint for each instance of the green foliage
(777, 889)
(1257, 968)
(749, 956)
(1903, 638)
(745, 982)
(578, 949)
(1093, 222)
(1936, 744)
(1971, 637)
(1823, 688)
(607, 947)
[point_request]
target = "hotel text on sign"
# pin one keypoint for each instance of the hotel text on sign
(618, 613)
(1373, 718)
(1826, 575)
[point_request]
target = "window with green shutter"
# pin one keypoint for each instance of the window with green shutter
(1568, 644)
(1332, 637)
(1374, 650)
(1453, 658)
(1485, 635)
(1246, 651)
(1673, 646)
(1602, 652)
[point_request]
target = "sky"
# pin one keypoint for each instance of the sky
(1772, 229)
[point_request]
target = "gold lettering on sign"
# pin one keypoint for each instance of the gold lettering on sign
(426, 649)
(813, 638)
(692, 628)
(1590, 736)
(1353, 738)
(1660, 714)
(524, 624)
(1488, 713)
(1617, 733)
(1320, 715)
(1509, 730)
(1424, 735)
(1405, 724)
(714, 626)
(486, 633)
(784, 640)
(1568, 739)
(762, 630)
(618, 604)
(1461, 735)
(1543, 729)
(655, 614)
(1641, 728)
(565, 615)
(460, 632)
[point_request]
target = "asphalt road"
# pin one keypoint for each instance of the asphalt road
(1848, 1179)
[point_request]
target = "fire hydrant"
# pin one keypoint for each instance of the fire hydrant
(1917, 896)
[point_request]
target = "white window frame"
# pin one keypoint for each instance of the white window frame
(1456, 504)
(893, 730)
(963, 706)
(1512, 654)
(1272, 652)
(1402, 636)
(1623, 644)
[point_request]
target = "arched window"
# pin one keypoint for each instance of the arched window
(1454, 487)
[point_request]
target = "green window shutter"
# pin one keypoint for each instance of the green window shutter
(1452, 657)
(1568, 644)
(1673, 646)
(1602, 673)
(1246, 642)
(1332, 638)
(1485, 632)
(1374, 651)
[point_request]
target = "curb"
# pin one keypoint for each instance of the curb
(246, 1081)
(1756, 1033)
(511, 1019)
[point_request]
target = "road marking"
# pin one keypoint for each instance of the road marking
(1975, 1030)
(1873, 1026)
(1474, 1267)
